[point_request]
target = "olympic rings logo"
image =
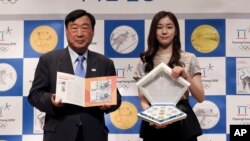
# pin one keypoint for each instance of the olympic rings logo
(124, 86)
(206, 85)
(244, 47)
(3, 125)
(4, 49)
(245, 123)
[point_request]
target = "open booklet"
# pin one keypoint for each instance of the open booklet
(86, 92)
(163, 92)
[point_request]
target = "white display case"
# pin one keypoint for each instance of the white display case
(163, 92)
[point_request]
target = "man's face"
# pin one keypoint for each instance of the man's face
(79, 34)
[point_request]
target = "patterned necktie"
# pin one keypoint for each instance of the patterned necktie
(79, 71)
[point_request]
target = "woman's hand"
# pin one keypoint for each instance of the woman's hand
(179, 71)
(157, 126)
(195, 88)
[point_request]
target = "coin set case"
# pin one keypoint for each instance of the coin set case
(162, 113)
(163, 92)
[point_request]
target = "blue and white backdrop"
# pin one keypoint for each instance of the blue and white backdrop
(217, 31)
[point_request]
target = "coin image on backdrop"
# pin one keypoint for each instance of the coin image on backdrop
(207, 113)
(125, 117)
(43, 39)
(205, 38)
(8, 76)
(124, 39)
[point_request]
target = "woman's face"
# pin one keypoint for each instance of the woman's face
(165, 32)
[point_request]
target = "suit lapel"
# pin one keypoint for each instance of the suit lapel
(65, 64)
(91, 65)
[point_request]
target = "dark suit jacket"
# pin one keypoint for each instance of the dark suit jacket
(61, 124)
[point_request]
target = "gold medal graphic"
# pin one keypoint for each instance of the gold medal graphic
(125, 117)
(43, 39)
(205, 38)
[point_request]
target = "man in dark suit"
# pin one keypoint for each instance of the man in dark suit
(66, 122)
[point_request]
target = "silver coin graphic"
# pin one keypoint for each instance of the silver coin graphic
(8, 76)
(124, 39)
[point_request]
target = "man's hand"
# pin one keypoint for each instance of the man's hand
(105, 107)
(56, 103)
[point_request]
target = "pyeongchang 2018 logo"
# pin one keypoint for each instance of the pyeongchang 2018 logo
(124, 83)
(242, 115)
(241, 40)
(4, 44)
(3, 120)
(206, 81)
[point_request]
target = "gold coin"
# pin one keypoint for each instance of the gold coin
(125, 117)
(161, 113)
(43, 39)
(160, 117)
(205, 38)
